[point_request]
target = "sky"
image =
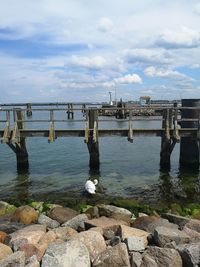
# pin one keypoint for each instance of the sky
(80, 50)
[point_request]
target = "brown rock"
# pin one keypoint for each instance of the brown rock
(47, 239)
(115, 212)
(191, 233)
(116, 256)
(64, 233)
(179, 220)
(2, 236)
(163, 257)
(29, 250)
(94, 242)
(126, 231)
(92, 212)
(61, 214)
(4, 251)
(25, 215)
(30, 234)
(193, 225)
(104, 222)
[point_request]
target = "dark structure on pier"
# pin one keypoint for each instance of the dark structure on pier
(179, 124)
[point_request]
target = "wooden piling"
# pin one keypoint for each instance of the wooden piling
(189, 146)
(28, 110)
(166, 146)
(70, 112)
(93, 144)
(19, 142)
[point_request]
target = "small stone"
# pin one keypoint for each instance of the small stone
(16, 259)
(116, 256)
(108, 234)
(164, 235)
(62, 214)
(25, 215)
(2, 236)
(45, 220)
(77, 223)
(141, 214)
(32, 262)
(4, 251)
(115, 241)
(135, 243)
(92, 212)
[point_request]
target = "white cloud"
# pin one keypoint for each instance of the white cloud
(195, 66)
(182, 38)
(167, 74)
(147, 56)
(128, 79)
(96, 62)
(105, 24)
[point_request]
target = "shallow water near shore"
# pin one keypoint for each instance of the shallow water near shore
(130, 170)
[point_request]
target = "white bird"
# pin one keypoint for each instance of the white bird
(90, 186)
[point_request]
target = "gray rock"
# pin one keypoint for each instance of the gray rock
(135, 243)
(164, 235)
(193, 225)
(108, 234)
(32, 262)
(148, 261)
(116, 240)
(77, 223)
(70, 254)
(115, 212)
(16, 259)
(116, 256)
(190, 254)
(50, 223)
(136, 259)
(163, 257)
(179, 220)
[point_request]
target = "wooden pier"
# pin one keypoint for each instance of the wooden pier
(174, 129)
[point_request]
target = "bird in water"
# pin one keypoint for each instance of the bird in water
(90, 186)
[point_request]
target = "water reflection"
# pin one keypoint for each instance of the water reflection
(182, 188)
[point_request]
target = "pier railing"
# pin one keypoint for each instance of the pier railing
(15, 121)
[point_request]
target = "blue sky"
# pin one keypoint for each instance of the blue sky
(79, 50)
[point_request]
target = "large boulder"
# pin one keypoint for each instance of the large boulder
(62, 214)
(149, 223)
(136, 259)
(93, 240)
(126, 232)
(30, 234)
(177, 219)
(193, 225)
(155, 256)
(116, 256)
(16, 259)
(70, 254)
(190, 254)
(115, 212)
(45, 220)
(4, 251)
(104, 223)
(77, 223)
(136, 243)
(165, 235)
(64, 233)
(25, 215)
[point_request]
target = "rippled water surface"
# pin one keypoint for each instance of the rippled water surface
(127, 169)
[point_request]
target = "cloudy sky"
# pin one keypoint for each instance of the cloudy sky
(79, 50)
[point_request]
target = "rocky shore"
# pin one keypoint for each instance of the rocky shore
(50, 235)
